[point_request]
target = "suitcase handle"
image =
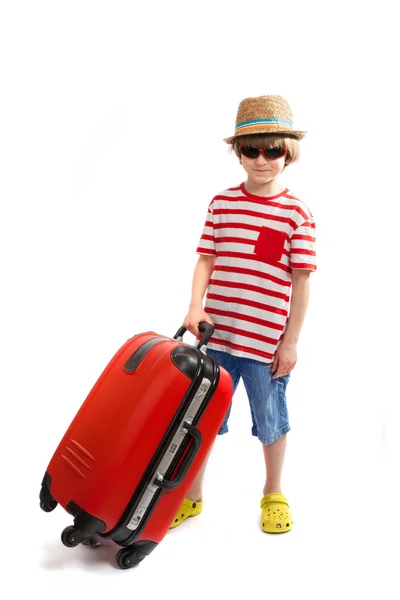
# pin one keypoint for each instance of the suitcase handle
(171, 484)
(206, 328)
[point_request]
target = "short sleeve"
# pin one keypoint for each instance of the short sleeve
(302, 247)
(206, 244)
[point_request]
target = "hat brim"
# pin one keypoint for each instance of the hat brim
(298, 135)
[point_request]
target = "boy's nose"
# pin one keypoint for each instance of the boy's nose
(261, 160)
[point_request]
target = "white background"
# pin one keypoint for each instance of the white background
(112, 119)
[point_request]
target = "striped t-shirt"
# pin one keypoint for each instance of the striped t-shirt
(257, 241)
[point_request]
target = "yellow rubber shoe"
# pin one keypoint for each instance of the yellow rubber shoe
(188, 509)
(275, 515)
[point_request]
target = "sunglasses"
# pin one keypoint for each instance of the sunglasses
(269, 153)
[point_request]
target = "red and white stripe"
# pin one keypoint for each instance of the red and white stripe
(248, 297)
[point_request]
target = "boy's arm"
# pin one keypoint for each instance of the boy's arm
(201, 278)
(286, 354)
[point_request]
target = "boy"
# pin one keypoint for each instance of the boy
(256, 254)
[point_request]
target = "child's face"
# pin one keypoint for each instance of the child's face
(262, 170)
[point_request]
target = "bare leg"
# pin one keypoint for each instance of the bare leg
(274, 455)
(195, 493)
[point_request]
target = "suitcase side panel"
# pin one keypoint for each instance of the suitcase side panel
(124, 412)
(126, 350)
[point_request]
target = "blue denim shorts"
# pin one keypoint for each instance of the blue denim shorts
(267, 396)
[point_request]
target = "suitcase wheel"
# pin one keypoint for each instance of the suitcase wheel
(48, 505)
(69, 538)
(127, 558)
(92, 542)
(47, 501)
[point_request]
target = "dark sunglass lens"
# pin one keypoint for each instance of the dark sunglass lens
(275, 152)
(250, 152)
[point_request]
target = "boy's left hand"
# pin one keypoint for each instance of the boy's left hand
(284, 360)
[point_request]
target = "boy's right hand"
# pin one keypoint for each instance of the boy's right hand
(193, 318)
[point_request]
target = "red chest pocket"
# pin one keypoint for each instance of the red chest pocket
(270, 244)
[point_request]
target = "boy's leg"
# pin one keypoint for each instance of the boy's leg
(270, 419)
(274, 455)
(195, 493)
(269, 413)
(275, 512)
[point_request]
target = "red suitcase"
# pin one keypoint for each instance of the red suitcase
(136, 444)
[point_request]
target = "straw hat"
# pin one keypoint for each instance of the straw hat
(265, 114)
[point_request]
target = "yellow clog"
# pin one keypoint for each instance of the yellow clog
(275, 515)
(188, 509)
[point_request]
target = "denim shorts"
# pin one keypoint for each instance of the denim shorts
(267, 396)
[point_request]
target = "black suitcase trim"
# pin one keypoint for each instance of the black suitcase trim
(134, 361)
